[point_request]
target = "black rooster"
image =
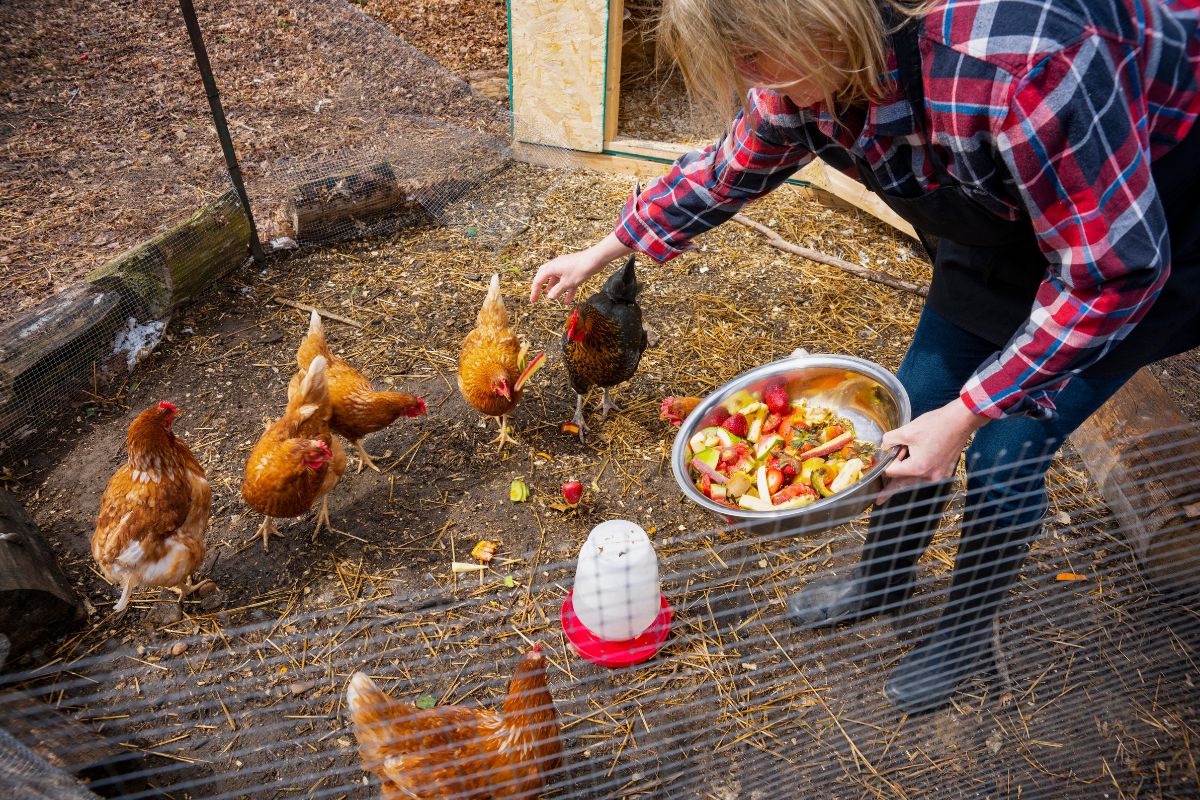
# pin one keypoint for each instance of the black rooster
(604, 340)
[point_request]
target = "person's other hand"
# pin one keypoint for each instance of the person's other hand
(930, 446)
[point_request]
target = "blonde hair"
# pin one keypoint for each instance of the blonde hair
(837, 44)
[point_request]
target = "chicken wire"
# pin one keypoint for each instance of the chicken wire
(1090, 691)
(342, 131)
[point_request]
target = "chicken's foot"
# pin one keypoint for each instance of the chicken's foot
(266, 531)
(187, 587)
(607, 405)
(503, 438)
(364, 458)
(323, 518)
(578, 418)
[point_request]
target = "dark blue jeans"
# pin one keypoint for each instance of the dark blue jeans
(1008, 458)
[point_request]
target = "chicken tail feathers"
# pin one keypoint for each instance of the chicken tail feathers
(622, 286)
(368, 708)
(313, 344)
(493, 314)
(311, 393)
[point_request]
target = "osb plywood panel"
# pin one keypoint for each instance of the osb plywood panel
(558, 59)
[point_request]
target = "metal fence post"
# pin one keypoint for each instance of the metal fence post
(218, 115)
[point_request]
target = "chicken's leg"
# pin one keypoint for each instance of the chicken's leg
(503, 438)
(323, 517)
(607, 405)
(364, 458)
(266, 531)
(578, 418)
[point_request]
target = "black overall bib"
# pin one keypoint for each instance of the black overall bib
(987, 269)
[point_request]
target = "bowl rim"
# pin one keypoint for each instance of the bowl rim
(869, 368)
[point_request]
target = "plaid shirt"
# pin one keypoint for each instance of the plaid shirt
(1052, 108)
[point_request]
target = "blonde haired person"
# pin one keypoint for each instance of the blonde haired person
(1047, 152)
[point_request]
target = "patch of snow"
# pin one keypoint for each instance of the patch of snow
(135, 341)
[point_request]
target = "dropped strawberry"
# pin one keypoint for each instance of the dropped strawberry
(572, 492)
(771, 423)
(776, 399)
(737, 425)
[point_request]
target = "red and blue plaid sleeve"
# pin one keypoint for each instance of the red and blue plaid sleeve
(706, 187)
(1076, 142)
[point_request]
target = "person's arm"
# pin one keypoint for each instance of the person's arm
(1076, 143)
(703, 189)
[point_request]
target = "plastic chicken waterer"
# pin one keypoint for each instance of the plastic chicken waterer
(616, 614)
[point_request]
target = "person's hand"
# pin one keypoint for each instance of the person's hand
(561, 276)
(929, 446)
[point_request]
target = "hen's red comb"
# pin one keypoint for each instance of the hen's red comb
(167, 405)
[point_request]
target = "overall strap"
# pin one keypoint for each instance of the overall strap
(908, 61)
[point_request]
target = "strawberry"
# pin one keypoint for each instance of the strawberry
(706, 485)
(774, 480)
(776, 399)
(718, 416)
(736, 425)
(572, 492)
(771, 423)
(789, 472)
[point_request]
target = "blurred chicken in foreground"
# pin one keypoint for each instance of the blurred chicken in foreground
(457, 752)
(492, 367)
(296, 461)
(358, 410)
(155, 509)
(604, 340)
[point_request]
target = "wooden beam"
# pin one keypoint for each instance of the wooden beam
(612, 69)
(1141, 452)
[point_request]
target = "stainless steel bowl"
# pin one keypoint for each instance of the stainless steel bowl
(858, 389)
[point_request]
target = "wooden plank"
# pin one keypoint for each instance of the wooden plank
(612, 88)
(36, 601)
(824, 177)
(558, 158)
(1142, 453)
(558, 58)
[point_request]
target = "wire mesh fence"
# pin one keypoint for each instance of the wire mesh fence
(342, 130)
(1084, 685)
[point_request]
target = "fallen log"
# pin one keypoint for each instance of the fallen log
(36, 601)
(173, 267)
(49, 352)
(1142, 454)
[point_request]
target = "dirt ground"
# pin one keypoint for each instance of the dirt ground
(242, 693)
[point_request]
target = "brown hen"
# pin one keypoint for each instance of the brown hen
(155, 509)
(296, 461)
(458, 752)
(492, 368)
(358, 409)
